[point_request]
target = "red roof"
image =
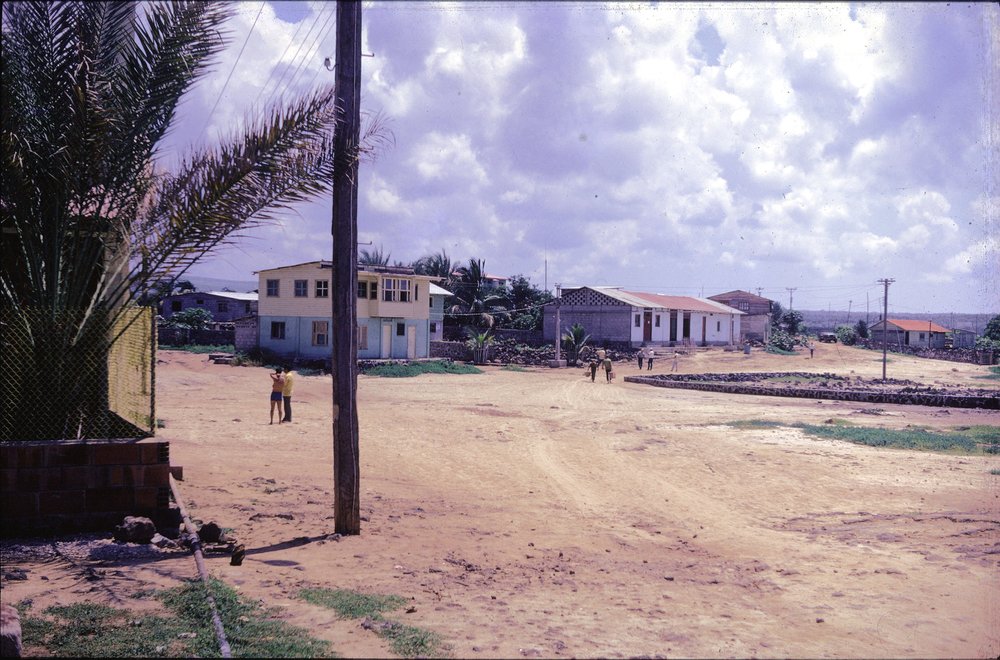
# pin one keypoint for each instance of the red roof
(683, 302)
(913, 325)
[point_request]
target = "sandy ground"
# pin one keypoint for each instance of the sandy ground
(537, 514)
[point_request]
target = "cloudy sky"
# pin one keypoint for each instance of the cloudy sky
(684, 149)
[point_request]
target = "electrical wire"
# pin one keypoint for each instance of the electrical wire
(298, 68)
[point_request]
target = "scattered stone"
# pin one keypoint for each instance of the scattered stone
(135, 529)
(239, 553)
(210, 533)
(10, 632)
(163, 542)
(818, 620)
(15, 574)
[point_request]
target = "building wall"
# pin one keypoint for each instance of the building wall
(617, 323)
(436, 318)
(223, 309)
(298, 340)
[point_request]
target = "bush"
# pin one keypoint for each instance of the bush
(195, 318)
(847, 335)
(781, 341)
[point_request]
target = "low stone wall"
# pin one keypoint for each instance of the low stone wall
(906, 396)
(965, 355)
(453, 350)
(62, 486)
(180, 336)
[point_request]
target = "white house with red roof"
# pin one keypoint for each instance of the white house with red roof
(613, 316)
(909, 332)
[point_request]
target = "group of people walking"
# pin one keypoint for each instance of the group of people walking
(282, 382)
(646, 353)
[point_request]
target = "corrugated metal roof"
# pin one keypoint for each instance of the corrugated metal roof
(235, 295)
(438, 291)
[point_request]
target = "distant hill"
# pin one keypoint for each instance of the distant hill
(217, 284)
(827, 321)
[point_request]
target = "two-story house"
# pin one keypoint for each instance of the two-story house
(756, 324)
(394, 308)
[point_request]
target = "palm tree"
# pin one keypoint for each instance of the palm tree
(473, 298)
(438, 265)
(376, 257)
(89, 216)
(574, 340)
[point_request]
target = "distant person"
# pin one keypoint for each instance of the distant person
(593, 369)
(277, 386)
(641, 354)
(286, 393)
(812, 347)
(601, 353)
(607, 368)
(673, 362)
(649, 359)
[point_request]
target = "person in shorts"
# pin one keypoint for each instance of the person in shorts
(277, 386)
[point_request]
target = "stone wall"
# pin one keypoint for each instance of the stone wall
(453, 350)
(180, 336)
(966, 355)
(62, 486)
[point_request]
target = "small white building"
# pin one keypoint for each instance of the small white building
(614, 316)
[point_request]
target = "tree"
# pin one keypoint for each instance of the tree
(791, 322)
(777, 311)
(847, 334)
(992, 330)
(574, 340)
(195, 318)
(438, 265)
(90, 217)
(473, 299)
(525, 303)
(375, 257)
(861, 329)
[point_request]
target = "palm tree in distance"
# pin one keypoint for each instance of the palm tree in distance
(474, 300)
(374, 257)
(89, 216)
(438, 265)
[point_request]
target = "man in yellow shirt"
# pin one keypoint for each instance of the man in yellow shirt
(286, 393)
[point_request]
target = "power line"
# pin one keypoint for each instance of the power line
(297, 69)
(208, 119)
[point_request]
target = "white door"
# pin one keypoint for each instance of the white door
(386, 341)
(411, 342)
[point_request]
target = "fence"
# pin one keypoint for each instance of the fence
(77, 374)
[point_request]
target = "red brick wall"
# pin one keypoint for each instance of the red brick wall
(51, 487)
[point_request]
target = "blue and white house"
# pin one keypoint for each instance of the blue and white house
(394, 314)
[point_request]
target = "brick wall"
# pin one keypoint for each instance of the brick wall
(52, 487)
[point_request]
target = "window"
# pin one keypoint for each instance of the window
(362, 337)
(301, 288)
(175, 305)
(389, 291)
(272, 288)
(718, 326)
(743, 305)
(400, 329)
(638, 320)
(921, 336)
(434, 327)
(362, 289)
(277, 329)
(322, 289)
(657, 320)
(373, 291)
(246, 308)
(223, 306)
(199, 301)
(416, 292)
(321, 333)
(430, 302)
(404, 290)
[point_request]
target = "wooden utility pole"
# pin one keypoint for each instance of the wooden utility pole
(885, 321)
(790, 290)
(347, 79)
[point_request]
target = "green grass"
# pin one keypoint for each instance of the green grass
(411, 369)
(352, 604)
(404, 640)
(993, 375)
(968, 439)
(203, 348)
(512, 367)
(795, 378)
(89, 630)
(779, 351)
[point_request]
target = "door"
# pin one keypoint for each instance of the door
(411, 342)
(704, 327)
(647, 326)
(386, 351)
(686, 329)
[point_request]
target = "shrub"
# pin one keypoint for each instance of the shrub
(847, 335)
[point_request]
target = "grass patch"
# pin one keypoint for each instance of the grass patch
(779, 351)
(913, 438)
(411, 369)
(796, 378)
(92, 631)
(754, 424)
(203, 348)
(406, 641)
(993, 375)
(512, 367)
(352, 604)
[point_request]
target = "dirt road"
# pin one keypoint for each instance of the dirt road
(537, 514)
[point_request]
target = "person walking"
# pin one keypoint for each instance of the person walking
(607, 368)
(593, 369)
(673, 363)
(286, 393)
(277, 385)
(641, 354)
(649, 359)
